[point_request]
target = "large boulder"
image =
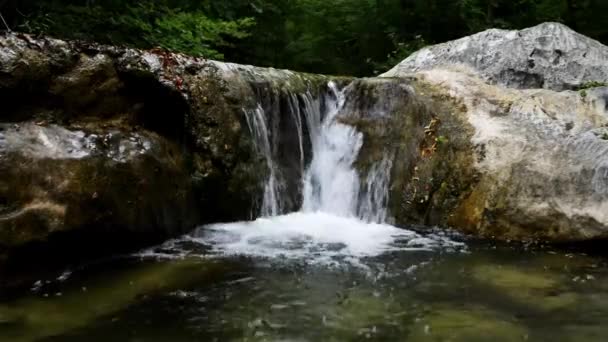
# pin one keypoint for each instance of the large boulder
(106, 186)
(500, 161)
(550, 56)
(104, 147)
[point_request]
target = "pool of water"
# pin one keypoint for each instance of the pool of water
(217, 285)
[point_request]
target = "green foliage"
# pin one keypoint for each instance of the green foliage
(591, 85)
(144, 24)
(351, 37)
(401, 49)
(195, 34)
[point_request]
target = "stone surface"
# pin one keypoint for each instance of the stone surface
(505, 162)
(541, 160)
(487, 160)
(111, 183)
(467, 324)
(101, 141)
(109, 143)
(549, 55)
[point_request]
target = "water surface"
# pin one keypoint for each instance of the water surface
(245, 282)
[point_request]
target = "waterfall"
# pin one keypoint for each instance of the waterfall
(330, 183)
(339, 214)
(373, 205)
(256, 121)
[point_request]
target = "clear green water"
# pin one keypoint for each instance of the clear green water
(484, 294)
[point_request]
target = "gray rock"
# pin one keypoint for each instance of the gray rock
(100, 142)
(103, 185)
(550, 56)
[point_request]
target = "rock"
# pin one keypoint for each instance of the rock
(36, 316)
(539, 290)
(102, 144)
(499, 162)
(541, 160)
(110, 183)
(151, 144)
(469, 324)
(549, 56)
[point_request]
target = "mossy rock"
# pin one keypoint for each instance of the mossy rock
(36, 317)
(536, 288)
(466, 325)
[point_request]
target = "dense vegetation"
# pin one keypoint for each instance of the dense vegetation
(355, 37)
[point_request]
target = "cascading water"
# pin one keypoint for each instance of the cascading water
(340, 216)
(374, 201)
(331, 184)
(256, 121)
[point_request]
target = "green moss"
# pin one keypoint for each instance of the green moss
(464, 325)
(591, 85)
(36, 317)
(538, 289)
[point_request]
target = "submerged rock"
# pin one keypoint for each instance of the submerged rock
(467, 324)
(539, 290)
(47, 313)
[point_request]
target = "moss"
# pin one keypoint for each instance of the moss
(590, 85)
(467, 324)
(442, 171)
(34, 318)
(538, 289)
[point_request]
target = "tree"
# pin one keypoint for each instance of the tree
(351, 37)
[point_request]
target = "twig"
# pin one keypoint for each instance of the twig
(5, 24)
(23, 15)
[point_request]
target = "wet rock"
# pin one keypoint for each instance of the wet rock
(99, 142)
(110, 184)
(499, 161)
(42, 315)
(470, 324)
(549, 56)
(537, 289)
(427, 141)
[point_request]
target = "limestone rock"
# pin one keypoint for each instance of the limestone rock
(117, 144)
(541, 159)
(487, 160)
(549, 56)
(509, 162)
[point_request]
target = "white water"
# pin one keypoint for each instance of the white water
(256, 121)
(318, 238)
(340, 220)
(331, 183)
